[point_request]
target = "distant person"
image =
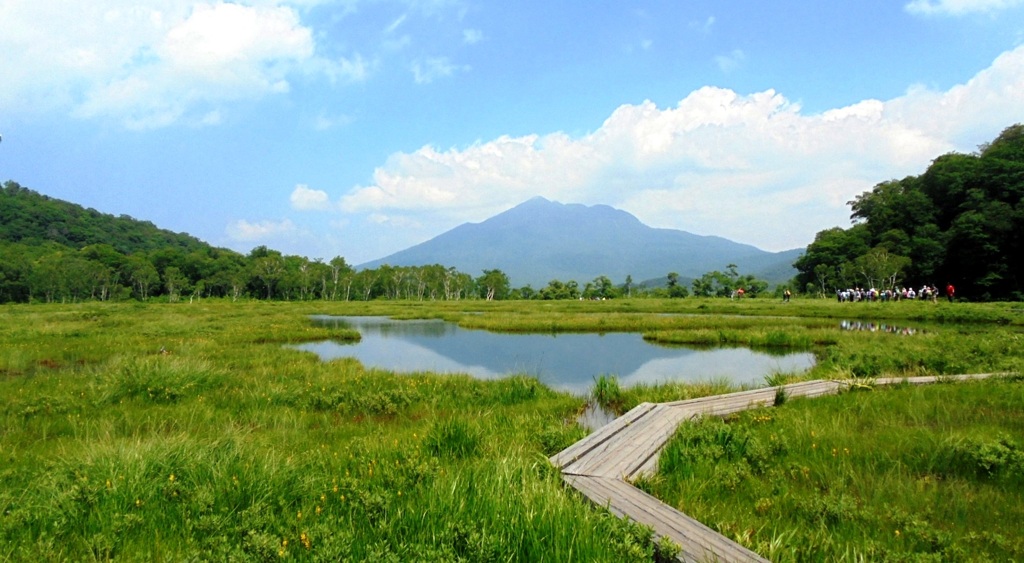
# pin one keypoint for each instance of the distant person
(785, 296)
(950, 290)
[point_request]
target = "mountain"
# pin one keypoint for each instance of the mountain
(31, 218)
(541, 240)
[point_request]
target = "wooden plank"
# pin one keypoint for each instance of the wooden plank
(714, 398)
(696, 541)
(633, 450)
(603, 434)
(736, 403)
(601, 464)
(630, 446)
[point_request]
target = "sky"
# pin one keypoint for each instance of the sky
(358, 128)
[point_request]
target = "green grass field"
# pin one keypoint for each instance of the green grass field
(912, 473)
(189, 432)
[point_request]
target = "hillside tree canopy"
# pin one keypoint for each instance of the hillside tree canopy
(960, 223)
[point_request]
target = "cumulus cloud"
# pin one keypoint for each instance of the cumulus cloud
(244, 231)
(754, 168)
(149, 62)
(958, 7)
(472, 36)
(305, 199)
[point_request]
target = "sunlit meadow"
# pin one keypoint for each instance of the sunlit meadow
(189, 431)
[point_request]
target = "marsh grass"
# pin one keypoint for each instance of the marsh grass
(896, 474)
(608, 394)
(190, 432)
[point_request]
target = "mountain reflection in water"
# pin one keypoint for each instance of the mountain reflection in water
(569, 362)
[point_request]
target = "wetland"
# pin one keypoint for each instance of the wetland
(191, 431)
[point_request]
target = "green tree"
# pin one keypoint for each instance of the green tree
(341, 275)
(676, 290)
(174, 283)
(600, 288)
(494, 284)
(142, 275)
(881, 269)
(826, 264)
(556, 289)
(15, 273)
(713, 284)
(526, 292)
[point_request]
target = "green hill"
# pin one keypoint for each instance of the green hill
(31, 218)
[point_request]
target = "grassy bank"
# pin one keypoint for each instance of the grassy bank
(912, 473)
(188, 431)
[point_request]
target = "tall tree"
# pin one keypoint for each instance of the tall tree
(493, 284)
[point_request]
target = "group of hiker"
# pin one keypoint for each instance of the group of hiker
(926, 292)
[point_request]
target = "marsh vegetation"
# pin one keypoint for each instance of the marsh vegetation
(188, 431)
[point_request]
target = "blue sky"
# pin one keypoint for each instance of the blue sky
(357, 128)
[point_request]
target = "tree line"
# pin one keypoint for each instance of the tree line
(960, 223)
(55, 251)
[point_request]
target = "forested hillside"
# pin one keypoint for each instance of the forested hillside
(52, 250)
(961, 222)
(32, 218)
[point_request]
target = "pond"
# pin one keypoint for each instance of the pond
(569, 362)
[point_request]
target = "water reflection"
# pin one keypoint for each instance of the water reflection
(567, 362)
(595, 416)
(876, 327)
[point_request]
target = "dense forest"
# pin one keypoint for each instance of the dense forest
(959, 223)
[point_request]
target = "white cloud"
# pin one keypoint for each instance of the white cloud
(472, 36)
(398, 221)
(395, 24)
(305, 199)
(705, 26)
(326, 122)
(148, 62)
(958, 7)
(427, 70)
(355, 69)
(244, 231)
(754, 168)
(730, 62)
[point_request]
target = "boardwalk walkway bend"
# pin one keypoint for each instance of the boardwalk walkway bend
(603, 465)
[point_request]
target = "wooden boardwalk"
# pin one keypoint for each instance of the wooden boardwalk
(603, 465)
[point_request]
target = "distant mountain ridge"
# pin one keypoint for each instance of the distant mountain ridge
(541, 240)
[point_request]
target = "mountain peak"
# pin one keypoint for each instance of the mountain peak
(540, 208)
(540, 240)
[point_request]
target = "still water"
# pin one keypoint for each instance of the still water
(569, 362)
